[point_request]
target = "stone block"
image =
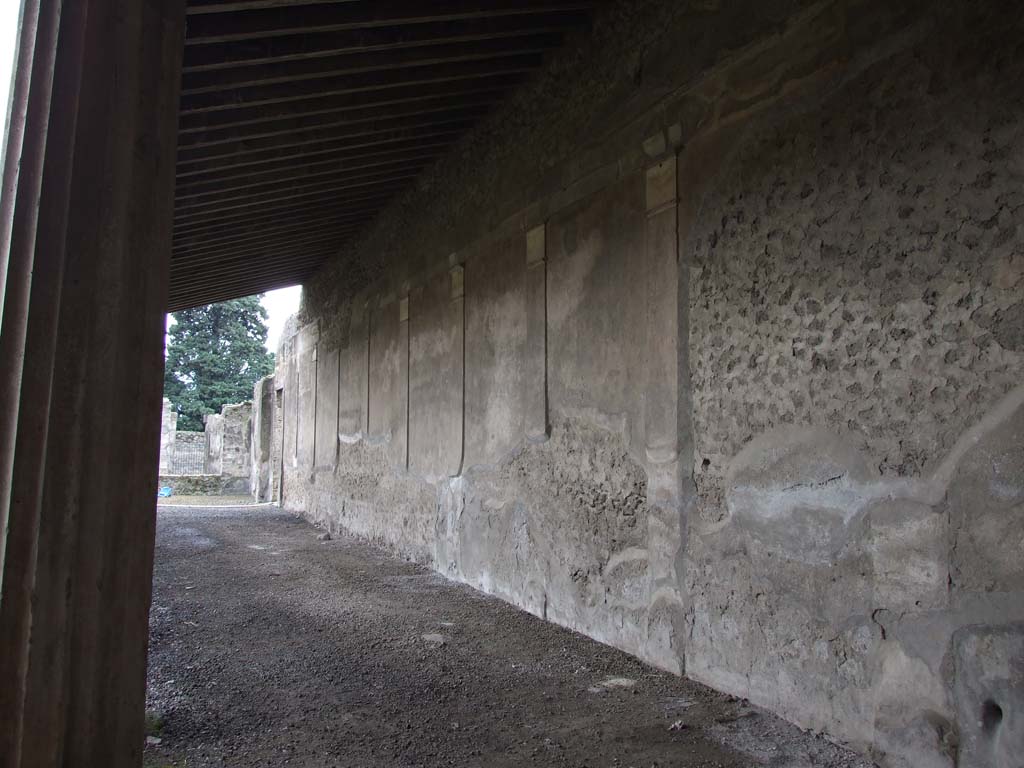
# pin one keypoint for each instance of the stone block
(988, 690)
(908, 549)
(985, 503)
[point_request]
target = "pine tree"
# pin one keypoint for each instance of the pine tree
(215, 354)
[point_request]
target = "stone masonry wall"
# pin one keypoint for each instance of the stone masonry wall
(228, 441)
(168, 433)
(213, 428)
(856, 346)
(720, 364)
(236, 448)
(221, 451)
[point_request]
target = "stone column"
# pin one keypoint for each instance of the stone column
(262, 438)
(87, 209)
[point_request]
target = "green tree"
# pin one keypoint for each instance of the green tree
(215, 354)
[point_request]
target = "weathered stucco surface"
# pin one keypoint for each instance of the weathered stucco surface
(168, 435)
(728, 376)
(265, 469)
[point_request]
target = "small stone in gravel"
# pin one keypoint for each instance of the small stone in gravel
(612, 682)
(434, 639)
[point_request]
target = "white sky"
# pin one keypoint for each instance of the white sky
(279, 304)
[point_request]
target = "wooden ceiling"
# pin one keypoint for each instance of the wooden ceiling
(299, 121)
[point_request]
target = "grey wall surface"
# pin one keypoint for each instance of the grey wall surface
(388, 377)
(213, 429)
(719, 362)
(228, 441)
(436, 352)
(236, 447)
(326, 416)
(495, 350)
(168, 435)
(305, 376)
(264, 469)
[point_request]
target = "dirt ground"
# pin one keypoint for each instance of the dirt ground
(270, 647)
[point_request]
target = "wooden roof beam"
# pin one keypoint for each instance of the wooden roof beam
(378, 185)
(297, 138)
(354, 64)
(359, 200)
(290, 157)
(349, 102)
(314, 171)
(240, 99)
(221, 27)
(314, 45)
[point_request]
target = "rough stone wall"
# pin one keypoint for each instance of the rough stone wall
(213, 428)
(168, 431)
(732, 382)
(856, 274)
(228, 441)
(236, 448)
(862, 267)
(189, 455)
(183, 437)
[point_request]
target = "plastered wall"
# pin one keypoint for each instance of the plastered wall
(739, 390)
(857, 350)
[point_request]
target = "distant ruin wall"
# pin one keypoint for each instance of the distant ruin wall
(734, 384)
(221, 451)
(188, 456)
(203, 485)
(168, 435)
(228, 441)
(236, 448)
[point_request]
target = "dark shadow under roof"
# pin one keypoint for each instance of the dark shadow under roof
(300, 121)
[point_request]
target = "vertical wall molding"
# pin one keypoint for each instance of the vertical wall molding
(307, 342)
(662, 352)
(535, 379)
(316, 387)
(402, 450)
(366, 371)
(458, 292)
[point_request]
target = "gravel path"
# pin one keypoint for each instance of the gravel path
(269, 647)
